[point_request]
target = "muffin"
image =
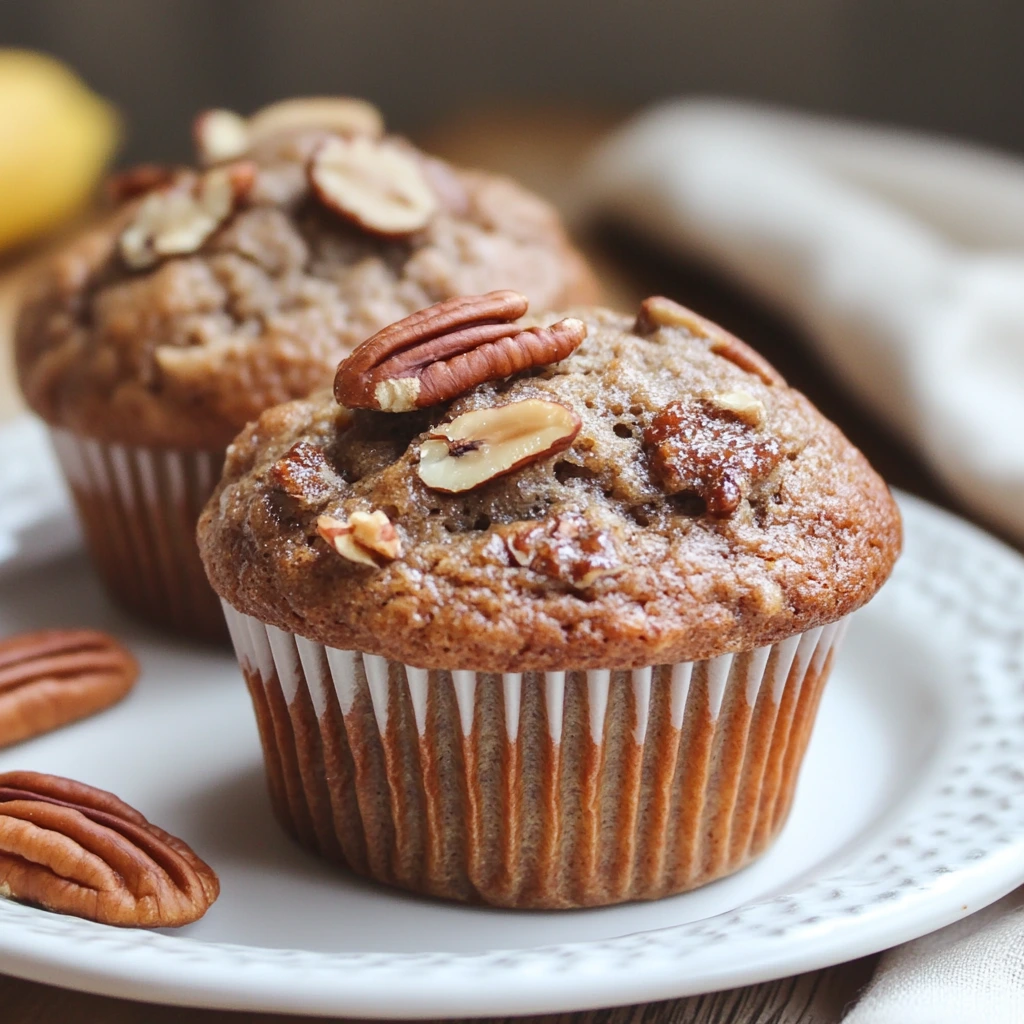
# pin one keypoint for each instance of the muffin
(555, 635)
(210, 294)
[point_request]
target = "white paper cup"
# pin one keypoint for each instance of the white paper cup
(540, 789)
(139, 508)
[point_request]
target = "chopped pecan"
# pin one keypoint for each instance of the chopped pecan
(566, 547)
(303, 473)
(699, 448)
(446, 349)
(220, 135)
(178, 219)
(487, 443)
(341, 114)
(378, 184)
(368, 538)
(78, 850)
(657, 311)
(742, 405)
(56, 676)
(136, 181)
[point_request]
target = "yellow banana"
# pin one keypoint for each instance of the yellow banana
(55, 139)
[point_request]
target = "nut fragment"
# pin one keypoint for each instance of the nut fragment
(332, 113)
(657, 311)
(698, 448)
(56, 676)
(220, 135)
(136, 181)
(304, 474)
(78, 850)
(446, 349)
(377, 184)
(179, 219)
(487, 443)
(742, 405)
(567, 547)
(368, 538)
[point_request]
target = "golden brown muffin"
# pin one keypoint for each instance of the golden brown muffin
(211, 294)
(184, 351)
(586, 677)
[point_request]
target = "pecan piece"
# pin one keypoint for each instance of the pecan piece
(703, 449)
(444, 350)
(742, 405)
(566, 547)
(139, 180)
(220, 135)
(378, 184)
(341, 114)
(78, 850)
(487, 443)
(367, 538)
(56, 676)
(178, 219)
(304, 473)
(657, 311)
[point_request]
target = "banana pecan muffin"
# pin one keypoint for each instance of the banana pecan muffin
(213, 293)
(552, 631)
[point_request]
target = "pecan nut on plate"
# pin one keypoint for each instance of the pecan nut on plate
(78, 850)
(55, 676)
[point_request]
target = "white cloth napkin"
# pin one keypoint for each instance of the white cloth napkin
(970, 971)
(902, 256)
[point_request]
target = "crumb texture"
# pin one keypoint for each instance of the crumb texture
(585, 558)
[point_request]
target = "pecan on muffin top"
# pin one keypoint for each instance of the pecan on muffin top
(659, 495)
(212, 293)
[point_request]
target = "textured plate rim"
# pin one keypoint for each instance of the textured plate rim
(867, 904)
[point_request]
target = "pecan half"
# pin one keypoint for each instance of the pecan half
(378, 184)
(657, 311)
(444, 350)
(78, 850)
(368, 538)
(56, 676)
(178, 219)
(487, 443)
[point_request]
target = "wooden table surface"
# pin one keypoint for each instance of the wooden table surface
(542, 151)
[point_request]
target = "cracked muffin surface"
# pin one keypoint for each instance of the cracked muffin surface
(703, 507)
(185, 352)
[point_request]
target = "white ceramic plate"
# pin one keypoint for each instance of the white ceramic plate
(908, 815)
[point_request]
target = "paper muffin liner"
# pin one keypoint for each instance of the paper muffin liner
(539, 789)
(139, 507)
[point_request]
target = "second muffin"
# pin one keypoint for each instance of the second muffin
(212, 294)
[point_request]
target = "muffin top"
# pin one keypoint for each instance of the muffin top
(658, 495)
(210, 294)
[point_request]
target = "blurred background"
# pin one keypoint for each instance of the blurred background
(950, 66)
(526, 88)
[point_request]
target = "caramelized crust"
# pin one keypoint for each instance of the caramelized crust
(804, 537)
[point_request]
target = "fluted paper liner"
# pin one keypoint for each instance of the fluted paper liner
(139, 508)
(540, 789)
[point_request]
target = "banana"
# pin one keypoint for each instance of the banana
(55, 140)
